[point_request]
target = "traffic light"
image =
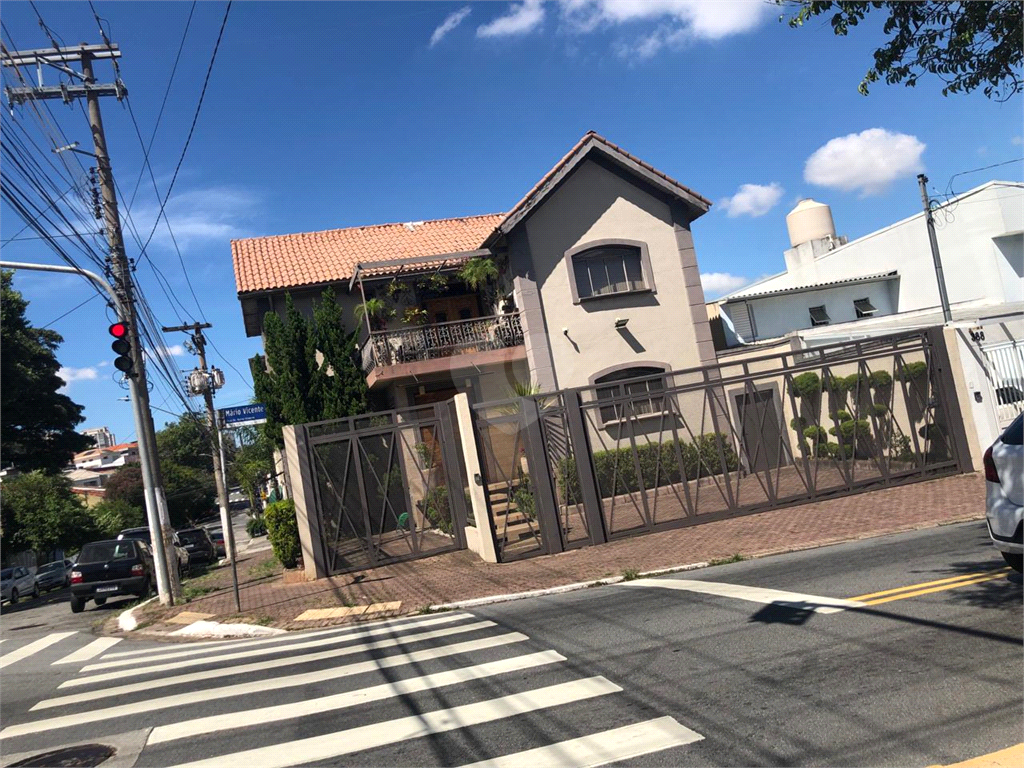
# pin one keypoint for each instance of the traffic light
(123, 348)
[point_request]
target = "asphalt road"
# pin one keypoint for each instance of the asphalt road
(751, 663)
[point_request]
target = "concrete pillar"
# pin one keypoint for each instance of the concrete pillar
(481, 538)
(300, 475)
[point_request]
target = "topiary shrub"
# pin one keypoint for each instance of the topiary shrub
(879, 379)
(522, 497)
(912, 371)
(855, 382)
(798, 423)
(842, 416)
(879, 409)
(283, 532)
(815, 434)
(807, 385)
(256, 526)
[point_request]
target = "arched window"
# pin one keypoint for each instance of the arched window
(609, 267)
(642, 381)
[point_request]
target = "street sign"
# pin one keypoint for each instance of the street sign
(243, 415)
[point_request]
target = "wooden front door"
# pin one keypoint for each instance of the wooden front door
(428, 434)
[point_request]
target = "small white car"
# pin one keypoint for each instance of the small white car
(17, 582)
(1004, 473)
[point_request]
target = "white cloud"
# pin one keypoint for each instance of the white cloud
(718, 283)
(519, 20)
(449, 24)
(215, 214)
(868, 161)
(753, 200)
(679, 21)
(1017, 141)
(174, 350)
(77, 374)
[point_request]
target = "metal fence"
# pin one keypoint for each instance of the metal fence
(598, 463)
(1005, 363)
(387, 486)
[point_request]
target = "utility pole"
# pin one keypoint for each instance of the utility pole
(168, 585)
(922, 180)
(205, 382)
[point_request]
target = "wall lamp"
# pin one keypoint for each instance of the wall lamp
(621, 322)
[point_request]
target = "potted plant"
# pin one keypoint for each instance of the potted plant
(377, 310)
(414, 316)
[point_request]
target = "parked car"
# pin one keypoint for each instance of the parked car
(55, 575)
(217, 537)
(198, 544)
(17, 582)
(111, 569)
(142, 534)
(1004, 497)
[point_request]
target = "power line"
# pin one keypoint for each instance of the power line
(77, 306)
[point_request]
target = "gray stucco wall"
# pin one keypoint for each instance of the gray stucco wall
(596, 203)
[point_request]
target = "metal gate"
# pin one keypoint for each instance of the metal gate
(1005, 363)
(597, 463)
(388, 486)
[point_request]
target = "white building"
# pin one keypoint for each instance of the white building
(831, 282)
(104, 437)
(108, 458)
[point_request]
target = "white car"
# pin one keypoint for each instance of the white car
(1004, 471)
(17, 582)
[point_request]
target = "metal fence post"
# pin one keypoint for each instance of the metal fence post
(453, 470)
(584, 467)
(540, 475)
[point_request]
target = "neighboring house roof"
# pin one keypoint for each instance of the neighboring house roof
(872, 278)
(593, 141)
(123, 447)
(316, 258)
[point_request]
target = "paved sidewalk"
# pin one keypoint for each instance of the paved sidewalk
(412, 586)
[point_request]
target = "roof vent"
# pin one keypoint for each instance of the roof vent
(411, 225)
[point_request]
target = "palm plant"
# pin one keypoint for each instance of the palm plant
(377, 310)
(478, 272)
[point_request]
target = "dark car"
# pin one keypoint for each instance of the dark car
(111, 569)
(142, 534)
(198, 544)
(54, 575)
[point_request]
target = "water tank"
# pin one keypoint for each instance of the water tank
(810, 220)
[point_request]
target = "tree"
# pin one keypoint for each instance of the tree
(186, 442)
(125, 485)
(45, 514)
(295, 386)
(38, 426)
(253, 461)
(967, 45)
(191, 493)
(111, 516)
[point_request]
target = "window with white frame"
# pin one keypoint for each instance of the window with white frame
(863, 308)
(640, 384)
(819, 316)
(608, 270)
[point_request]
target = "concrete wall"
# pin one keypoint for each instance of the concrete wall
(595, 203)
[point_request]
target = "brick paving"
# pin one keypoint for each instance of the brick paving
(455, 576)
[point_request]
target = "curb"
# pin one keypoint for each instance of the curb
(126, 620)
(564, 588)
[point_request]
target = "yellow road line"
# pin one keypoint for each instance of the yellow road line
(935, 589)
(962, 577)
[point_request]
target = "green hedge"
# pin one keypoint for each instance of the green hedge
(437, 508)
(283, 532)
(615, 470)
(256, 526)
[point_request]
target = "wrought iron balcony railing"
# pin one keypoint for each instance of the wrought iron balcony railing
(428, 342)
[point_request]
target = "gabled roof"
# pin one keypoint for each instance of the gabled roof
(316, 258)
(594, 142)
(872, 278)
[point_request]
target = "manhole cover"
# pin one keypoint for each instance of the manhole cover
(81, 756)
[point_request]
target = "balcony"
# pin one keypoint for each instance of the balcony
(423, 349)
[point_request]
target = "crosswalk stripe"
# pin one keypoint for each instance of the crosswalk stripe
(331, 745)
(780, 597)
(205, 647)
(612, 746)
(257, 686)
(32, 648)
(90, 651)
(283, 644)
(347, 650)
(189, 728)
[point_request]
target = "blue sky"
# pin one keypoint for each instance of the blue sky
(328, 114)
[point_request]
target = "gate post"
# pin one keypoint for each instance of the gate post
(540, 475)
(452, 462)
(949, 399)
(584, 468)
(307, 513)
(486, 546)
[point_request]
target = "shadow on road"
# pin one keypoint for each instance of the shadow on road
(27, 604)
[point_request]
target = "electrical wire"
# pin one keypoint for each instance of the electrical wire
(76, 307)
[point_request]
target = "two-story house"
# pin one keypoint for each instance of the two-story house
(594, 280)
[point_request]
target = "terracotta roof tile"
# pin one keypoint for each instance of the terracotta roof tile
(313, 258)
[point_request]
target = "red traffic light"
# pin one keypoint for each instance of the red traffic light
(118, 330)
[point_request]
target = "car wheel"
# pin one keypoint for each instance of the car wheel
(145, 590)
(35, 592)
(1015, 561)
(67, 582)
(77, 604)
(101, 600)
(14, 597)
